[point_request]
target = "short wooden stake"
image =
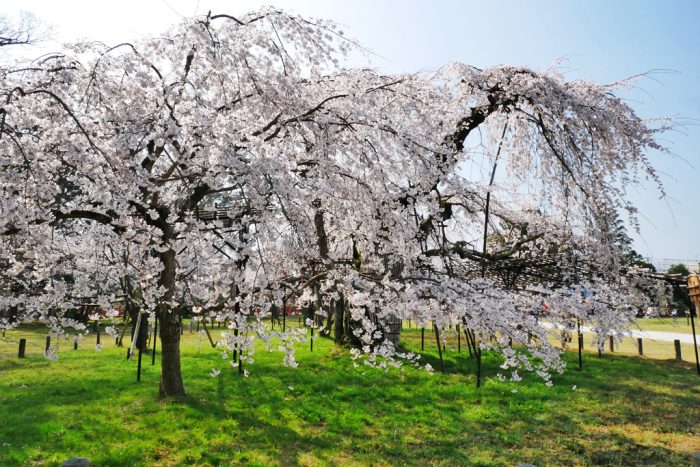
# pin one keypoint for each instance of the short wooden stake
(612, 346)
(640, 347)
(48, 344)
(75, 343)
(422, 339)
(22, 348)
(677, 346)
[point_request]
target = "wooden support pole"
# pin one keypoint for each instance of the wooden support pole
(22, 348)
(677, 347)
(138, 369)
(422, 339)
(469, 342)
(695, 341)
(612, 342)
(437, 340)
(48, 344)
(580, 345)
(478, 362)
(284, 314)
(75, 343)
(211, 341)
(130, 350)
(459, 339)
(235, 345)
(640, 347)
(155, 339)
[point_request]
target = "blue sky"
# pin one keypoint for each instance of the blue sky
(601, 41)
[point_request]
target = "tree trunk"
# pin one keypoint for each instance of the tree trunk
(171, 374)
(339, 329)
(392, 328)
(329, 320)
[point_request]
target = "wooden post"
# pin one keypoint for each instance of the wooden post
(612, 348)
(48, 344)
(422, 339)
(580, 345)
(22, 348)
(211, 341)
(640, 348)
(284, 314)
(695, 341)
(437, 339)
(141, 336)
(155, 338)
(677, 346)
(75, 343)
(477, 352)
(235, 346)
(97, 331)
(459, 339)
(469, 342)
(138, 370)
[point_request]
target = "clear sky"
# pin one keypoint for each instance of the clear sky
(600, 40)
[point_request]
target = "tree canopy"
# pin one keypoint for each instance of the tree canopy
(233, 164)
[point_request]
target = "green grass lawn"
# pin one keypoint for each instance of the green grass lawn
(623, 411)
(679, 325)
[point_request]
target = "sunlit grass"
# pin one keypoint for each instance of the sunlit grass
(623, 410)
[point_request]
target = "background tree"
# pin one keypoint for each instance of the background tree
(679, 300)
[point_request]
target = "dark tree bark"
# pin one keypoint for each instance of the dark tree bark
(339, 330)
(171, 384)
